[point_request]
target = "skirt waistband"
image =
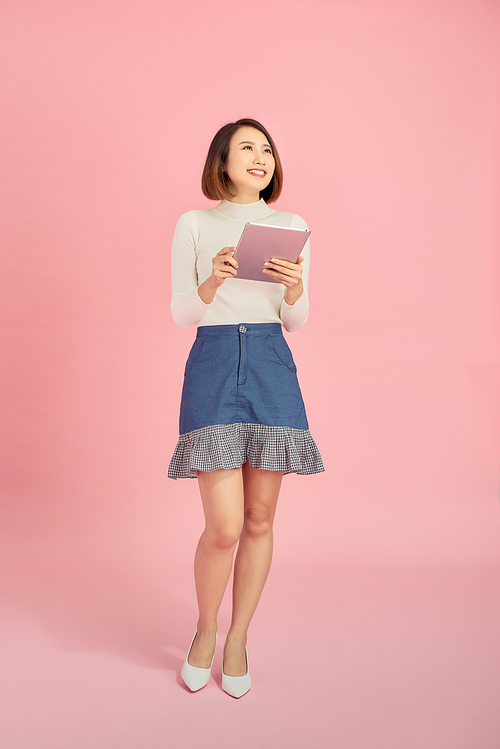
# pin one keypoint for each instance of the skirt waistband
(260, 328)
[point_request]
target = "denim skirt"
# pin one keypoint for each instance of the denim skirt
(241, 401)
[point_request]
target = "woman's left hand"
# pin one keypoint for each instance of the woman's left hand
(287, 273)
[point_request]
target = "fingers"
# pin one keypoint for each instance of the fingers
(230, 260)
(226, 256)
(226, 251)
(285, 280)
(285, 264)
(224, 265)
(287, 273)
(224, 270)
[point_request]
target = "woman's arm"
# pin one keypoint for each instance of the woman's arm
(187, 307)
(190, 302)
(294, 276)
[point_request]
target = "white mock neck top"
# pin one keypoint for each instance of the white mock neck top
(199, 235)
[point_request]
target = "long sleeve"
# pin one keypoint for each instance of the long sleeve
(293, 316)
(187, 307)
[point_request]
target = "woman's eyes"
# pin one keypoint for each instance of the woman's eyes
(268, 150)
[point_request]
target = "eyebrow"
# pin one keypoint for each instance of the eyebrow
(252, 143)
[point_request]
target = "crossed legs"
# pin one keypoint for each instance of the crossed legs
(239, 505)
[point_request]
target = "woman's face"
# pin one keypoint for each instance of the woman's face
(250, 163)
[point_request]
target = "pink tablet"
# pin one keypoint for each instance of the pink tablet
(261, 242)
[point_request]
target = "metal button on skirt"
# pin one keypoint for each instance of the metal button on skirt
(241, 401)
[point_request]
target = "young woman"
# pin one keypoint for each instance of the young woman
(242, 422)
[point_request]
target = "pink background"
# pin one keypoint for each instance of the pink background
(379, 623)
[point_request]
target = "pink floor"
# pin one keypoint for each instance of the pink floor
(397, 657)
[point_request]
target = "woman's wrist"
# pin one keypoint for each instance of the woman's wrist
(293, 295)
(207, 290)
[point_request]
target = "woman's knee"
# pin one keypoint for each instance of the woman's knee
(223, 536)
(258, 521)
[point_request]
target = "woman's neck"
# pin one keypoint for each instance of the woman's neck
(246, 197)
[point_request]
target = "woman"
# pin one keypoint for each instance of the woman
(242, 422)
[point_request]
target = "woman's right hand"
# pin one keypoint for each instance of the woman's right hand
(224, 265)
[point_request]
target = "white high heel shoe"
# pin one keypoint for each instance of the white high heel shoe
(196, 678)
(236, 686)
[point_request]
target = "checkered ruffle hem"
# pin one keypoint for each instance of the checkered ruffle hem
(273, 448)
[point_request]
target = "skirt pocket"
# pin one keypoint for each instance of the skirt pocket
(194, 354)
(282, 351)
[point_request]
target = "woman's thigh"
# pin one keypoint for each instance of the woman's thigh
(223, 502)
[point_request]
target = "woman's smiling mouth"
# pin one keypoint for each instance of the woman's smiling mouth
(257, 172)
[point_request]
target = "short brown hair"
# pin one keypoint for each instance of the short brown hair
(214, 181)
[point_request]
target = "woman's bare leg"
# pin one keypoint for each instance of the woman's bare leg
(253, 560)
(222, 497)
